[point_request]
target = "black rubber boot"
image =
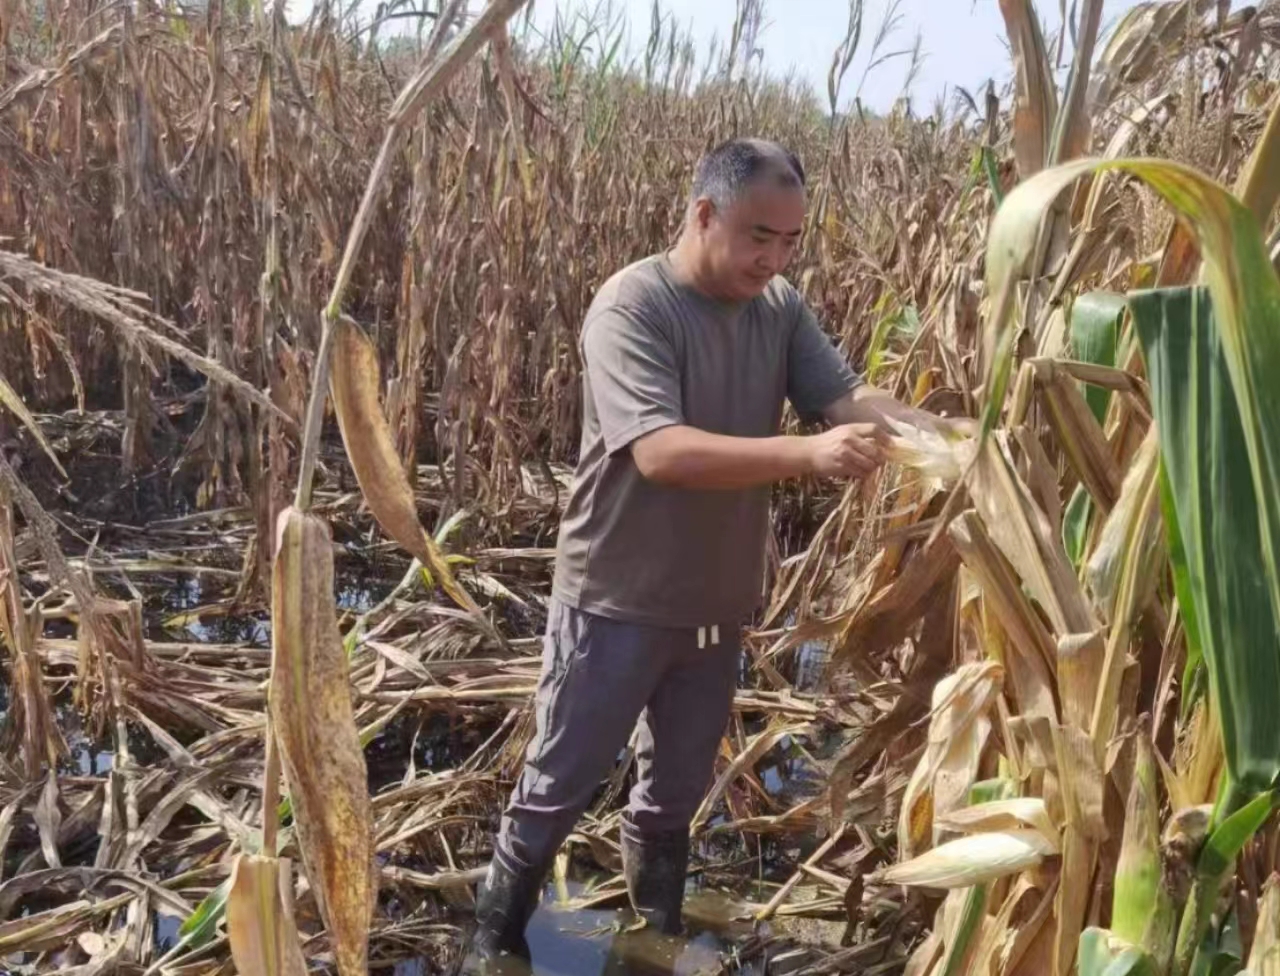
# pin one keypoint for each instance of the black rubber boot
(655, 866)
(504, 904)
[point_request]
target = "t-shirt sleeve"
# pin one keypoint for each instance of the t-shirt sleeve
(817, 374)
(633, 376)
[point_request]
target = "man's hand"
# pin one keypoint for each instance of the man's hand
(847, 451)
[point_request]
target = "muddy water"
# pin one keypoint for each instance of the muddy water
(597, 942)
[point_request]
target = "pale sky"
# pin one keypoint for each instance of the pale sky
(962, 41)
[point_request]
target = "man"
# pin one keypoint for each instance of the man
(688, 357)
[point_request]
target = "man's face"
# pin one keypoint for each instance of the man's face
(753, 240)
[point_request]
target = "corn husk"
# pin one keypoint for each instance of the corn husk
(940, 460)
(973, 860)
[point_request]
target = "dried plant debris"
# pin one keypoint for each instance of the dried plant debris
(981, 728)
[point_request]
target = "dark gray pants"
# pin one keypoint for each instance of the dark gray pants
(598, 677)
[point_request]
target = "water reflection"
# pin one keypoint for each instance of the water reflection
(571, 941)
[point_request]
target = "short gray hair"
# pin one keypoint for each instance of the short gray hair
(725, 172)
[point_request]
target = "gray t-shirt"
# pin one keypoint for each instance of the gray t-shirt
(656, 353)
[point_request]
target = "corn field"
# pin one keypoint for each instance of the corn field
(290, 385)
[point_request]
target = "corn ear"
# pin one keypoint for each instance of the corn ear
(311, 713)
(1131, 532)
(1142, 911)
(973, 860)
(958, 731)
(260, 926)
(354, 382)
(939, 459)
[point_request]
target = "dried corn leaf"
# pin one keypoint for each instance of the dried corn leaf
(323, 763)
(1079, 433)
(1036, 102)
(264, 938)
(9, 397)
(1264, 957)
(1028, 653)
(354, 383)
(1024, 535)
(755, 750)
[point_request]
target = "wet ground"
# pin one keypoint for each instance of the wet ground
(574, 940)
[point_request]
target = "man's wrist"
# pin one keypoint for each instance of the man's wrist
(801, 455)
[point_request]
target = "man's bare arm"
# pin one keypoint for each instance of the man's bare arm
(869, 405)
(687, 457)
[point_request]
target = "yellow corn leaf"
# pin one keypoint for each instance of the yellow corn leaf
(264, 938)
(972, 860)
(354, 383)
(310, 702)
(958, 731)
(1259, 183)
(1197, 759)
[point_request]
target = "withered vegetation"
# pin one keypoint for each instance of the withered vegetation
(211, 220)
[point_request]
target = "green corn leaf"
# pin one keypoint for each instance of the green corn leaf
(990, 790)
(1229, 837)
(1197, 948)
(1217, 406)
(1095, 336)
(1075, 525)
(975, 903)
(199, 927)
(993, 177)
(1222, 564)
(1192, 669)
(975, 907)
(1103, 954)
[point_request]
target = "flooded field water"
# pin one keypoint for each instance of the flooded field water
(581, 928)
